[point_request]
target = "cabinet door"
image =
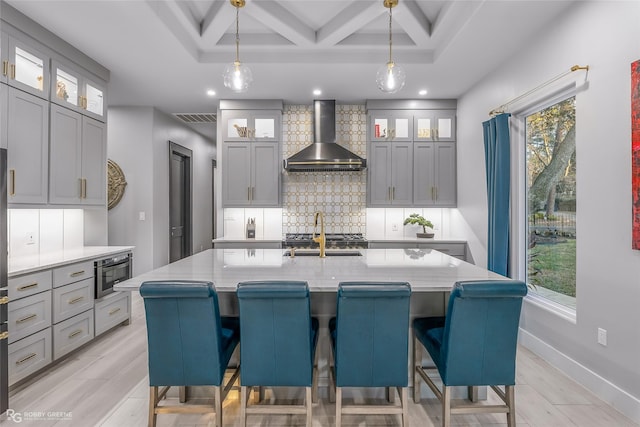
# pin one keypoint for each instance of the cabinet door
(250, 125)
(4, 92)
(390, 126)
(265, 185)
(379, 174)
(401, 173)
(266, 125)
(65, 85)
(28, 68)
(94, 162)
(435, 125)
(424, 173)
(236, 174)
(445, 174)
(65, 185)
(28, 154)
(93, 99)
(4, 57)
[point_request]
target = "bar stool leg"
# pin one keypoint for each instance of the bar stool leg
(416, 360)
(338, 406)
(308, 401)
(243, 406)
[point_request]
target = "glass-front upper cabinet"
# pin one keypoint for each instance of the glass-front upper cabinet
(72, 89)
(435, 125)
(390, 126)
(250, 125)
(26, 68)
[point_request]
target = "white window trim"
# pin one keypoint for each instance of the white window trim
(519, 238)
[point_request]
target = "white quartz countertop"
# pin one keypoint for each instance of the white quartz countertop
(29, 264)
(230, 240)
(415, 240)
(426, 270)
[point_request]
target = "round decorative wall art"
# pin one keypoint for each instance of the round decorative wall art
(117, 183)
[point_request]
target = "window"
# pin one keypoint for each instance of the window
(551, 202)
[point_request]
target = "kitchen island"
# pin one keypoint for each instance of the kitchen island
(430, 273)
(425, 269)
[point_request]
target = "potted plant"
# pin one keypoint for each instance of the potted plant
(416, 219)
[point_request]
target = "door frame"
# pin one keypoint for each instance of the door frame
(188, 192)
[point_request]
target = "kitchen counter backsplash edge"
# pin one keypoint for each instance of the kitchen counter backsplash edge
(29, 264)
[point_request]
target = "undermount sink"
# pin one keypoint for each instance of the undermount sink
(329, 252)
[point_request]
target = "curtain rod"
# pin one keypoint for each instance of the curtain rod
(501, 109)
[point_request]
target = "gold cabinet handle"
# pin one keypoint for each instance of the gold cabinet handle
(4, 300)
(389, 193)
(12, 184)
(5, 68)
(24, 359)
(74, 333)
(114, 311)
(27, 318)
(436, 193)
(4, 335)
(75, 300)
(393, 193)
(84, 188)
(13, 71)
(27, 287)
(249, 193)
(77, 273)
(252, 189)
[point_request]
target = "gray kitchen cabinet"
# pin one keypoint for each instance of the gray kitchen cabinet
(112, 310)
(251, 125)
(434, 174)
(389, 125)
(4, 57)
(434, 125)
(251, 174)
(4, 92)
(390, 174)
(78, 159)
(28, 148)
(25, 65)
(74, 89)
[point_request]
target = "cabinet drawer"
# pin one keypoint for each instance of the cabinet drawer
(29, 315)
(72, 299)
(29, 355)
(29, 284)
(111, 310)
(72, 273)
(453, 249)
(72, 333)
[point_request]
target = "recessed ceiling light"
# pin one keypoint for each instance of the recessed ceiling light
(317, 92)
(422, 92)
(211, 92)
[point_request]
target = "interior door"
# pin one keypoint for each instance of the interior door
(179, 202)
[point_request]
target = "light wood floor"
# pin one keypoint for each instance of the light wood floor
(105, 384)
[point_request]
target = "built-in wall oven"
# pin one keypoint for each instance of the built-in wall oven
(110, 271)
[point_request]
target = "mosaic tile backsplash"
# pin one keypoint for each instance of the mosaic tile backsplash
(341, 196)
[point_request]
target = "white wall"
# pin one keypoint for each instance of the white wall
(606, 36)
(139, 142)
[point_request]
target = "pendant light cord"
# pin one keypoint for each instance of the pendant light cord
(390, 43)
(237, 35)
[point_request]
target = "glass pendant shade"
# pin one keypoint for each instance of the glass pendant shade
(390, 77)
(237, 77)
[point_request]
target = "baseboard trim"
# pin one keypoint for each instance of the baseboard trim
(624, 402)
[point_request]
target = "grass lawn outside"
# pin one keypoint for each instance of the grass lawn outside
(555, 264)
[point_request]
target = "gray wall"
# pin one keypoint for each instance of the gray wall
(138, 142)
(608, 276)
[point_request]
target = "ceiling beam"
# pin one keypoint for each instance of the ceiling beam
(413, 22)
(216, 22)
(280, 20)
(452, 20)
(180, 25)
(350, 20)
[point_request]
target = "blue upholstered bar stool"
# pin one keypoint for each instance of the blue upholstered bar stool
(189, 343)
(370, 344)
(278, 343)
(473, 345)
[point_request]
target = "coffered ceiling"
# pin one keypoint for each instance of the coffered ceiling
(167, 53)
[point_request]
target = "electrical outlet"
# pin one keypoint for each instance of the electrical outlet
(30, 238)
(602, 337)
(394, 227)
(142, 216)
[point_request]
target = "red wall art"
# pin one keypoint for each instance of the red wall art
(635, 151)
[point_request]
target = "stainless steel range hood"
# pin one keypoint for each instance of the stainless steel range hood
(324, 154)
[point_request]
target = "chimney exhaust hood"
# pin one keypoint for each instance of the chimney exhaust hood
(324, 154)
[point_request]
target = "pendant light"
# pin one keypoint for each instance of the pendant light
(390, 76)
(237, 76)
